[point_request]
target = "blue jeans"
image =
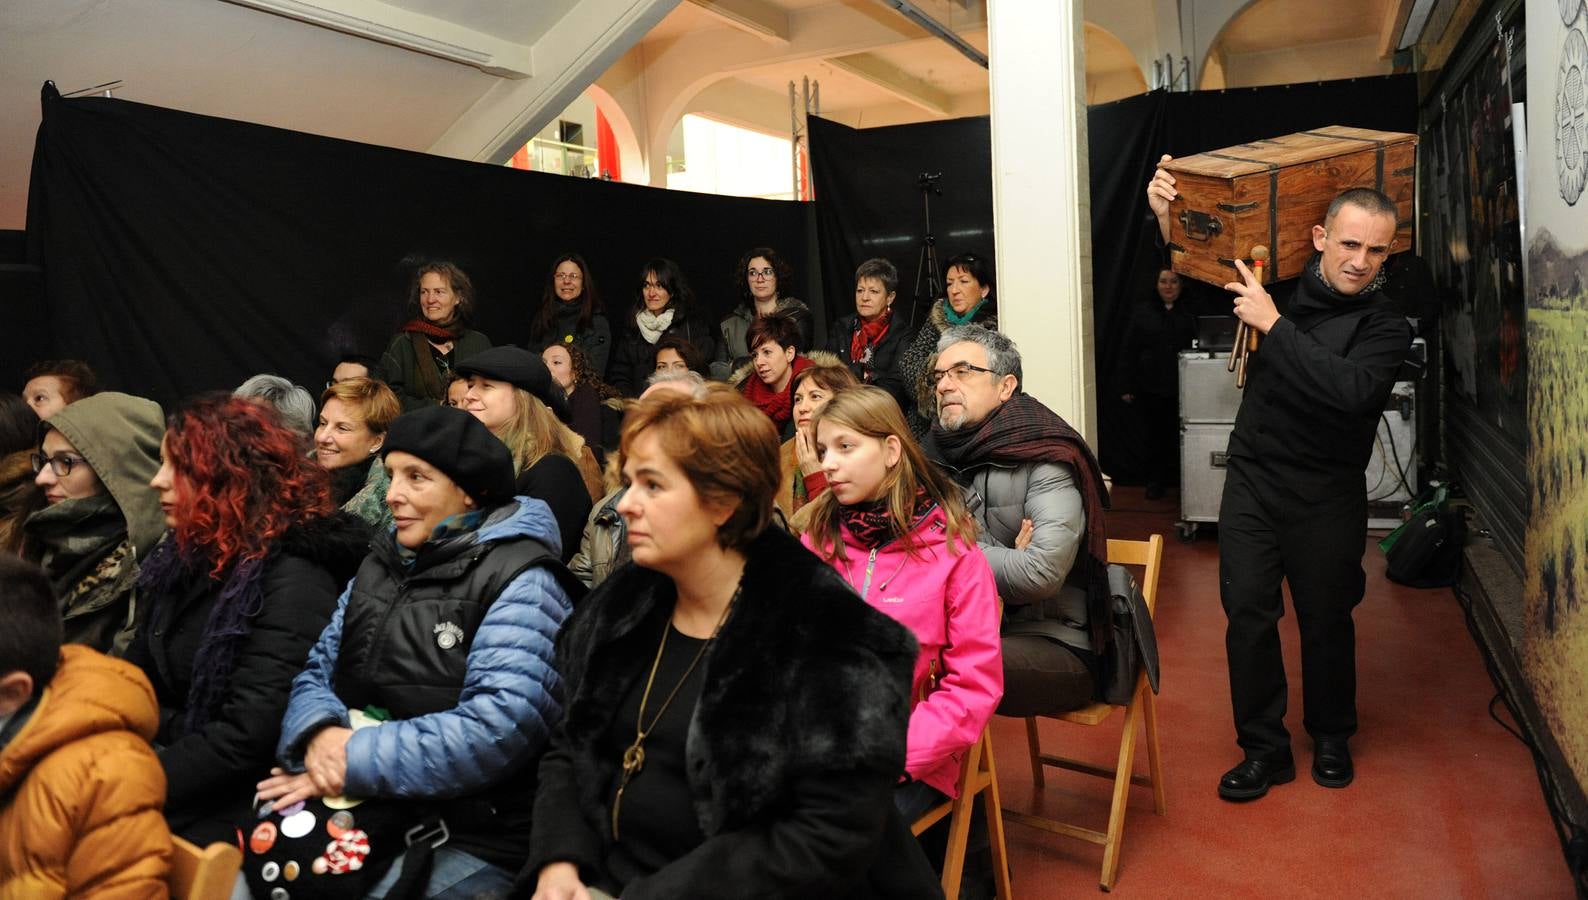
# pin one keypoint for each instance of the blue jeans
(454, 875)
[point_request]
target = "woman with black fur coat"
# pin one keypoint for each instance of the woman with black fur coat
(735, 716)
(231, 600)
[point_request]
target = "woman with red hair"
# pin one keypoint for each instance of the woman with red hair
(231, 600)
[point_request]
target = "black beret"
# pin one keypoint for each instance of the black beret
(520, 368)
(456, 443)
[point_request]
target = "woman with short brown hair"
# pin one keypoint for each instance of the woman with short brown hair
(354, 416)
(787, 695)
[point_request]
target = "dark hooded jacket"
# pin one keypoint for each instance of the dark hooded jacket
(793, 748)
(91, 546)
(1316, 388)
(212, 763)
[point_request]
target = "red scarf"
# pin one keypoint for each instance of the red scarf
(778, 405)
(438, 333)
(867, 336)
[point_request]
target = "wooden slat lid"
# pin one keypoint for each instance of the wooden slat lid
(1286, 150)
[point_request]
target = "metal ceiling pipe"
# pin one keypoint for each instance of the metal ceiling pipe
(938, 29)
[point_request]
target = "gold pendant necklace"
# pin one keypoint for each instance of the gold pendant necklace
(634, 756)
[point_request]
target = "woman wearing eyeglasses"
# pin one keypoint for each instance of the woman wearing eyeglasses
(571, 312)
(762, 275)
(968, 298)
(94, 466)
(664, 307)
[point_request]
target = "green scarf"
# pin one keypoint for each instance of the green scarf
(955, 318)
(451, 525)
(75, 536)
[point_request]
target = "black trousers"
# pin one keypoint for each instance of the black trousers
(1160, 419)
(1266, 535)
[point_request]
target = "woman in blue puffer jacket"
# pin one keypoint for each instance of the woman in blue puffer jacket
(449, 628)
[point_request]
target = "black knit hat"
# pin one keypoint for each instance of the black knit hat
(520, 368)
(457, 444)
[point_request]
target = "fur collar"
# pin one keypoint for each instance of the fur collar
(804, 677)
(338, 542)
(817, 358)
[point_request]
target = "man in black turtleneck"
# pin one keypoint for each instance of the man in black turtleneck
(1295, 504)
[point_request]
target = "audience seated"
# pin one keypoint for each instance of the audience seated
(760, 274)
(664, 307)
(232, 599)
(803, 478)
(969, 298)
(80, 789)
(94, 465)
(605, 544)
(768, 379)
(294, 404)
(354, 416)
(793, 725)
(897, 529)
(868, 341)
(448, 627)
(596, 406)
(571, 312)
(420, 359)
(54, 383)
(511, 391)
(352, 365)
(457, 388)
(19, 495)
(1039, 499)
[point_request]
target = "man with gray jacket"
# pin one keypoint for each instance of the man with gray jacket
(1038, 497)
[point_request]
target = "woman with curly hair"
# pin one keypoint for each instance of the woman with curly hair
(418, 362)
(597, 407)
(763, 279)
(231, 600)
(571, 313)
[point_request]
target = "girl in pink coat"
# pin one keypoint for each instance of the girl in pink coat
(896, 529)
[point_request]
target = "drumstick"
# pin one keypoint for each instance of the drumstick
(1246, 337)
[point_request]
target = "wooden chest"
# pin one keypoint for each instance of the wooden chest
(1272, 192)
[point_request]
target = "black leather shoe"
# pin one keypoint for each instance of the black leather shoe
(1253, 777)
(1331, 763)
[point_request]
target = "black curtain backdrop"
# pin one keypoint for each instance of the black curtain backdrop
(184, 253)
(865, 184)
(869, 201)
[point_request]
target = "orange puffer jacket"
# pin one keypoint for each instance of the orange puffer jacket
(82, 815)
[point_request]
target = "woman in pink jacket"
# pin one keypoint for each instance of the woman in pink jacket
(896, 529)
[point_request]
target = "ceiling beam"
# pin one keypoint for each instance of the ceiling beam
(879, 72)
(387, 24)
(1396, 12)
(754, 17)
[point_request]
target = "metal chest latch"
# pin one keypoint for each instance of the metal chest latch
(1199, 226)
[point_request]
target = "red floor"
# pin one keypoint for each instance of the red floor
(1445, 802)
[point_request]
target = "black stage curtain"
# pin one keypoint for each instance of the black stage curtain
(869, 202)
(184, 253)
(854, 169)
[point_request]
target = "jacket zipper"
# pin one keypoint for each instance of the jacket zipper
(871, 563)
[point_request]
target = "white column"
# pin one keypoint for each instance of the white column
(1041, 201)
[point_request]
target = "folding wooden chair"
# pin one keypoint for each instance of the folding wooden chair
(977, 775)
(1149, 555)
(206, 874)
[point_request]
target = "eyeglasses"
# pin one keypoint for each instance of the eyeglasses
(758, 274)
(958, 371)
(61, 464)
(569, 276)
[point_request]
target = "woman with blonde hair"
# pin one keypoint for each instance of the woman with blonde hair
(802, 471)
(897, 530)
(512, 392)
(348, 435)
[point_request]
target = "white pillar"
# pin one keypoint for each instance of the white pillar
(1041, 200)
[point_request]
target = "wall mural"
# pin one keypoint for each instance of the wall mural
(1555, 638)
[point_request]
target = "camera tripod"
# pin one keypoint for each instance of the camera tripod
(927, 276)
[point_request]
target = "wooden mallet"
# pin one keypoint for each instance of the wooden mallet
(1246, 337)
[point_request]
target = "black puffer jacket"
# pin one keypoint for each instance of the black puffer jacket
(793, 748)
(211, 770)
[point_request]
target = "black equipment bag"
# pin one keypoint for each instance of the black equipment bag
(1133, 645)
(1428, 552)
